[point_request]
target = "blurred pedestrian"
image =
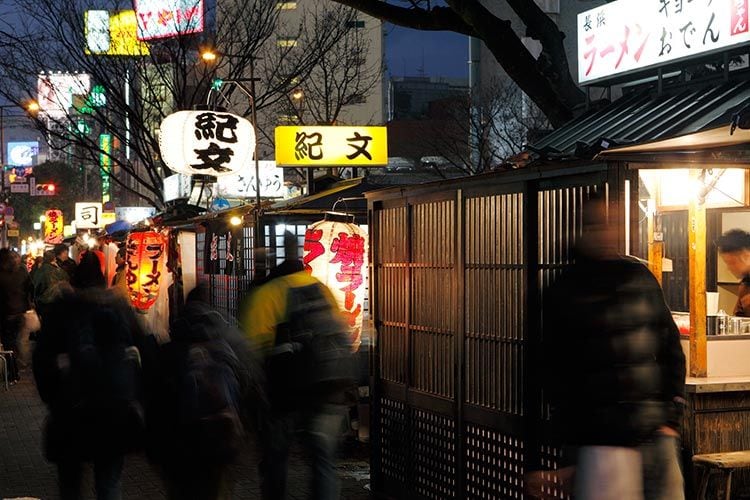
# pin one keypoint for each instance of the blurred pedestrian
(38, 260)
(616, 370)
(15, 300)
(734, 249)
(120, 279)
(87, 371)
(64, 262)
(204, 386)
(295, 321)
(48, 284)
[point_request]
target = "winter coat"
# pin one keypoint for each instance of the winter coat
(76, 429)
(48, 283)
(198, 323)
(615, 370)
(15, 292)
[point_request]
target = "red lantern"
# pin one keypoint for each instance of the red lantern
(145, 256)
(336, 254)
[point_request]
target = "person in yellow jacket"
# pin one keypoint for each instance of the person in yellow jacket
(293, 319)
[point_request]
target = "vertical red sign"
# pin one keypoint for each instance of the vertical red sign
(739, 17)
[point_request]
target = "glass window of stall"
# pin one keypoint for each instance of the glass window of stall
(664, 196)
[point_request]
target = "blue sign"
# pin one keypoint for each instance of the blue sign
(219, 204)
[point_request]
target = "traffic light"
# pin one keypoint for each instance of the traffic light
(45, 189)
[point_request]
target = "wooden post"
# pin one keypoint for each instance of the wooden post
(655, 245)
(697, 287)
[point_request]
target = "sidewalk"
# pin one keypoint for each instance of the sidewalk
(24, 471)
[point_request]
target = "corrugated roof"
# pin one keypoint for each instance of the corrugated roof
(648, 116)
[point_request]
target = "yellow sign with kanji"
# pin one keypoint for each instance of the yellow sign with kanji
(324, 146)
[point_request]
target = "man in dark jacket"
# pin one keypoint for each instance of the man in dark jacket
(734, 249)
(64, 262)
(616, 370)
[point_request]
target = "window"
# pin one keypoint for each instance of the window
(355, 24)
(286, 5)
(286, 41)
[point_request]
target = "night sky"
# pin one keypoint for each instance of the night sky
(412, 52)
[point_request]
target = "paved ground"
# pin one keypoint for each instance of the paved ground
(24, 471)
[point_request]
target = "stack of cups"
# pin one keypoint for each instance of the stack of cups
(712, 310)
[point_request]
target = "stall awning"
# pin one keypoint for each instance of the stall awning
(707, 145)
(647, 116)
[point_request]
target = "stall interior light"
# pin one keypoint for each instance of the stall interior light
(235, 220)
(675, 188)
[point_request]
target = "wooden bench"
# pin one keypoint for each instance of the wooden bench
(723, 464)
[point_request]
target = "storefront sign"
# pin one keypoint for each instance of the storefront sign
(134, 214)
(144, 257)
(206, 142)
(630, 35)
(89, 215)
(53, 227)
(331, 146)
(105, 164)
(23, 154)
(176, 187)
(242, 184)
(336, 253)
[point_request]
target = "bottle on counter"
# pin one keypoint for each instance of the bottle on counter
(722, 321)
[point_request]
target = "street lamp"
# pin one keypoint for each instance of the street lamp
(210, 56)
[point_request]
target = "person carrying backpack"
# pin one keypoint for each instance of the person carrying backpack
(206, 385)
(87, 370)
(295, 321)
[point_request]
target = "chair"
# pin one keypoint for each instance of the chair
(4, 364)
(723, 464)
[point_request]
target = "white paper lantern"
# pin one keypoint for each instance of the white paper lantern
(206, 142)
(336, 254)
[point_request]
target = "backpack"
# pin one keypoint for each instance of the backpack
(208, 400)
(102, 374)
(312, 361)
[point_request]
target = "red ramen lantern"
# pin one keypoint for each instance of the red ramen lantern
(336, 254)
(145, 255)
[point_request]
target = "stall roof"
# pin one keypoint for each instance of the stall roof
(647, 116)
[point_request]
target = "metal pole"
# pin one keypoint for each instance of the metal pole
(4, 232)
(258, 230)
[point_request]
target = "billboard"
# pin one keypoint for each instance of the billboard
(631, 35)
(165, 18)
(22, 153)
(55, 92)
(112, 33)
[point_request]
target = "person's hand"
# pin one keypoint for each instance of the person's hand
(665, 430)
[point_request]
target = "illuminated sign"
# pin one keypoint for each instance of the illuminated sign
(112, 33)
(105, 164)
(55, 92)
(89, 215)
(311, 146)
(22, 154)
(242, 183)
(53, 227)
(165, 18)
(630, 35)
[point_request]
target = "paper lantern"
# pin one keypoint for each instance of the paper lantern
(206, 142)
(144, 256)
(336, 254)
(53, 227)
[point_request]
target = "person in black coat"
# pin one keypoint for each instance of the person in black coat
(15, 300)
(615, 369)
(193, 459)
(87, 371)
